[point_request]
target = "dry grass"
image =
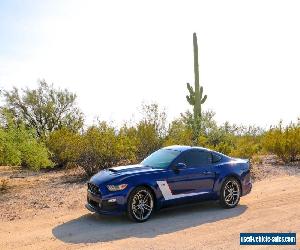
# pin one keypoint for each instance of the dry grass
(3, 185)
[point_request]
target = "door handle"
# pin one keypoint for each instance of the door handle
(207, 172)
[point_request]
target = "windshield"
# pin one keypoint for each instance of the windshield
(161, 158)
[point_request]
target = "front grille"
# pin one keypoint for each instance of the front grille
(94, 203)
(93, 188)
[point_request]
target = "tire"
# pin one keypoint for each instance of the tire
(140, 204)
(230, 193)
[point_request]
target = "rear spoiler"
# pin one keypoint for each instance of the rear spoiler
(247, 161)
(241, 160)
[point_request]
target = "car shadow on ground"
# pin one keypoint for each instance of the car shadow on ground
(92, 228)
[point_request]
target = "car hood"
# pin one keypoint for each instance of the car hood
(120, 173)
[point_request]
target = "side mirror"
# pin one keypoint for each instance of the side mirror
(178, 167)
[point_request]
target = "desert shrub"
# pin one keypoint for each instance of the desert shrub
(233, 140)
(218, 139)
(127, 145)
(223, 147)
(156, 117)
(179, 133)
(34, 154)
(20, 147)
(245, 146)
(150, 132)
(99, 148)
(9, 153)
(65, 146)
(148, 139)
(103, 147)
(283, 142)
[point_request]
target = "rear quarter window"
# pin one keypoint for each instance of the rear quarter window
(195, 158)
(216, 157)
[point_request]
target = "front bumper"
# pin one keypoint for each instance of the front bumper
(99, 211)
(113, 205)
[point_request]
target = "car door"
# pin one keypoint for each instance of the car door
(196, 178)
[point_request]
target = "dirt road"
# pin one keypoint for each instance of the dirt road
(273, 206)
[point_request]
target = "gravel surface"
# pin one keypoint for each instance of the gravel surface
(29, 194)
(45, 210)
(272, 206)
(270, 167)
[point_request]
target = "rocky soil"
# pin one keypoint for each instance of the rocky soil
(28, 194)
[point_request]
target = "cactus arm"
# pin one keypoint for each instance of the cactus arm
(203, 99)
(190, 88)
(201, 91)
(191, 97)
(190, 100)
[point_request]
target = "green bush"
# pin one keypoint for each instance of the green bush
(103, 147)
(246, 147)
(34, 155)
(179, 133)
(233, 140)
(65, 146)
(283, 142)
(99, 149)
(150, 132)
(148, 140)
(127, 145)
(217, 138)
(9, 153)
(18, 146)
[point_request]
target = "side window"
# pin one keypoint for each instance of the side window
(180, 159)
(216, 158)
(194, 158)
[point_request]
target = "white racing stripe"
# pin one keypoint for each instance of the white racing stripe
(167, 193)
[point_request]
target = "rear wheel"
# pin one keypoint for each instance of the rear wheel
(230, 193)
(140, 204)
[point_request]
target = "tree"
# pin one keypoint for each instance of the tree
(44, 109)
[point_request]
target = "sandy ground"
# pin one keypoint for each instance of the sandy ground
(272, 206)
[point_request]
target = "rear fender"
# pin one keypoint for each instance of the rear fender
(238, 170)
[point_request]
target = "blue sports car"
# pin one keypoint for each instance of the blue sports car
(170, 176)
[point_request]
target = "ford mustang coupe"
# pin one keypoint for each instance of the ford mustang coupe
(172, 175)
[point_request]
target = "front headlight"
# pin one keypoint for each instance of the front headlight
(114, 188)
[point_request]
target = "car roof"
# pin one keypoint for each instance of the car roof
(182, 148)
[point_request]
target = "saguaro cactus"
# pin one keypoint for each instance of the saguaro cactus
(195, 97)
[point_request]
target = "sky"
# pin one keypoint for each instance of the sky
(116, 55)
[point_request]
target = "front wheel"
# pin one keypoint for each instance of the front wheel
(230, 193)
(140, 204)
